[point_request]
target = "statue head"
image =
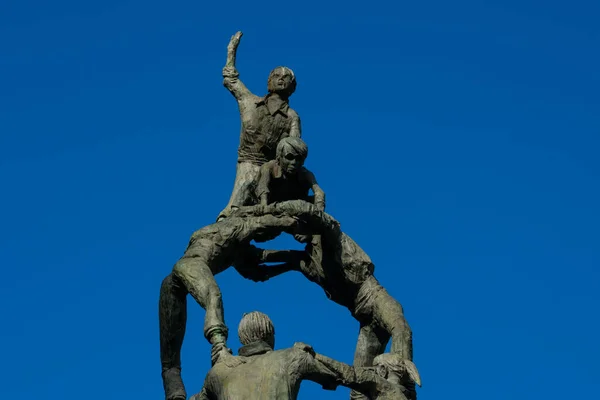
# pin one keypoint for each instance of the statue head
(282, 81)
(256, 326)
(396, 369)
(291, 153)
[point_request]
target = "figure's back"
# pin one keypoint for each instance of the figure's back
(274, 375)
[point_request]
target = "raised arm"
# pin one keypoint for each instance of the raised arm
(230, 74)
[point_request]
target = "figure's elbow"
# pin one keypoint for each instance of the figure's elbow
(319, 198)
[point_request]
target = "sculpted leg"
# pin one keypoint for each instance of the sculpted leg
(371, 342)
(199, 281)
(172, 313)
(389, 315)
(388, 312)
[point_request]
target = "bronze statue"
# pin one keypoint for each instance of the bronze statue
(345, 272)
(285, 178)
(270, 196)
(210, 251)
(264, 373)
(384, 381)
(265, 121)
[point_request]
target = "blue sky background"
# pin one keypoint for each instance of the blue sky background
(457, 143)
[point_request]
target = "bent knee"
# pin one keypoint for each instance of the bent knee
(196, 275)
(180, 270)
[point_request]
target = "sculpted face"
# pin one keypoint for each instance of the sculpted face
(291, 161)
(282, 81)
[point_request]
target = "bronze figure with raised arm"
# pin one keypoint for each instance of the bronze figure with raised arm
(265, 121)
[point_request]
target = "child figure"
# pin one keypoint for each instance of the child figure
(285, 178)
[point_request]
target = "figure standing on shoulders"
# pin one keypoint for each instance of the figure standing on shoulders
(265, 121)
(285, 178)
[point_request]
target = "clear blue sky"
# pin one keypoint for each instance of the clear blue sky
(457, 143)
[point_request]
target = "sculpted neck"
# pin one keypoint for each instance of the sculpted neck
(274, 96)
(255, 348)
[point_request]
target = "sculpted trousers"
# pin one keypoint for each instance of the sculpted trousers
(381, 318)
(198, 279)
(190, 275)
(246, 178)
(172, 315)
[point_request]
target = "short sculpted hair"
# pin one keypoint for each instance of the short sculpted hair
(293, 144)
(391, 363)
(394, 364)
(254, 327)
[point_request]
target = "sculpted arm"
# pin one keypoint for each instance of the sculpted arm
(318, 192)
(314, 370)
(262, 273)
(285, 256)
(230, 74)
(250, 265)
(363, 380)
(296, 128)
(200, 396)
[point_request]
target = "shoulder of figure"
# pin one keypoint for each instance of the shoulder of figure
(200, 232)
(292, 113)
(306, 348)
(308, 176)
(306, 172)
(255, 98)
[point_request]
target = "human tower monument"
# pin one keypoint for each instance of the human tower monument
(274, 193)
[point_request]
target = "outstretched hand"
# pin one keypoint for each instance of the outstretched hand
(302, 238)
(232, 50)
(234, 41)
